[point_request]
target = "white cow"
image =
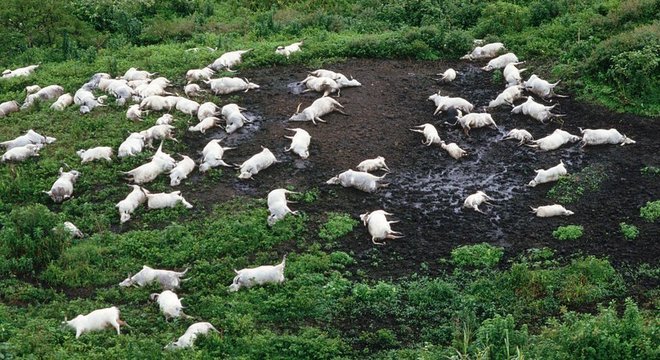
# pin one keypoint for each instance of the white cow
(484, 52)
(604, 136)
(131, 146)
(319, 107)
(168, 279)
(519, 134)
(299, 142)
(554, 141)
(548, 175)
(507, 97)
(228, 60)
(165, 200)
(323, 85)
(181, 171)
(453, 150)
(169, 304)
(265, 274)
(512, 74)
(256, 163)
(375, 164)
(277, 205)
(473, 121)
(448, 76)
(379, 227)
(96, 320)
(205, 124)
(97, 153)
(8, 107)
(430, 134)
(551, 210)
(540, 87)
(62, 188)
(212, 155)
(358, 179)
(443, 103)
(228, 85)
(537, 111)
(127, 206)
(501, 61)
(62, 102)
(188, 338)
(199, 74)
(289, 49)
(473, 201)
(21, 153)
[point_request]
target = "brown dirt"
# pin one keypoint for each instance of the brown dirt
(427, 187)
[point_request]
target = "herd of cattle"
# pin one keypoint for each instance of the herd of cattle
(151, 95)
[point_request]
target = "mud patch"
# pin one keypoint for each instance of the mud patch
(427, 187)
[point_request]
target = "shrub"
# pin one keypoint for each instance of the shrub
(500, 335)
(651, 211)
(570, 188)
(479, 256)
(630, 232)
(568, 232)
(336, 226)
(29, 236)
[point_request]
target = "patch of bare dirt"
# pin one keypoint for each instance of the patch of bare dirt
(427, 187)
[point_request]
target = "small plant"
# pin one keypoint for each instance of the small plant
(630, 232)
(32, 235)
(651, 211)
(570, 188)
(568, 232)
(650, 170)
(480, 256)
(336, 226)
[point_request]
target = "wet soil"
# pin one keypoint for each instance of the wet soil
(427, 187)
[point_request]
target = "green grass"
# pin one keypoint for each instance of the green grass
(568, 232)
(651, 211)
(479, 256)
(571, 188)
(630, 232)
(329, 306)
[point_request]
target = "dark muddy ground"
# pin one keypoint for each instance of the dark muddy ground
(427, 187)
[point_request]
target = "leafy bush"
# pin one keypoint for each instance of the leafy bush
(568, 232)
(572, 187)
(479, 256)
(651, 211)
(32, 235)
(336, 226)
(630, 232)
(603, 336)
(501, 337)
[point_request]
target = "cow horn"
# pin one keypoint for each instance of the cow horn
(298, 109)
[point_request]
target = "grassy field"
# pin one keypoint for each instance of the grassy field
(474, 304)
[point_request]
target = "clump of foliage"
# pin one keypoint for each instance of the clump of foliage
(572, 187)
(630, 232)
(651, 211)
(336, 226)
(650, 170)
(568, 232)
(31, 238)
(479, 256)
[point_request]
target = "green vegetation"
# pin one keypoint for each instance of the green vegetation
(336, 226)
(479, 256)
(572, 187)
(603, 51)
(568, 232)
(651, 170)
(630, 232)
(474, 306)
(651, 211)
